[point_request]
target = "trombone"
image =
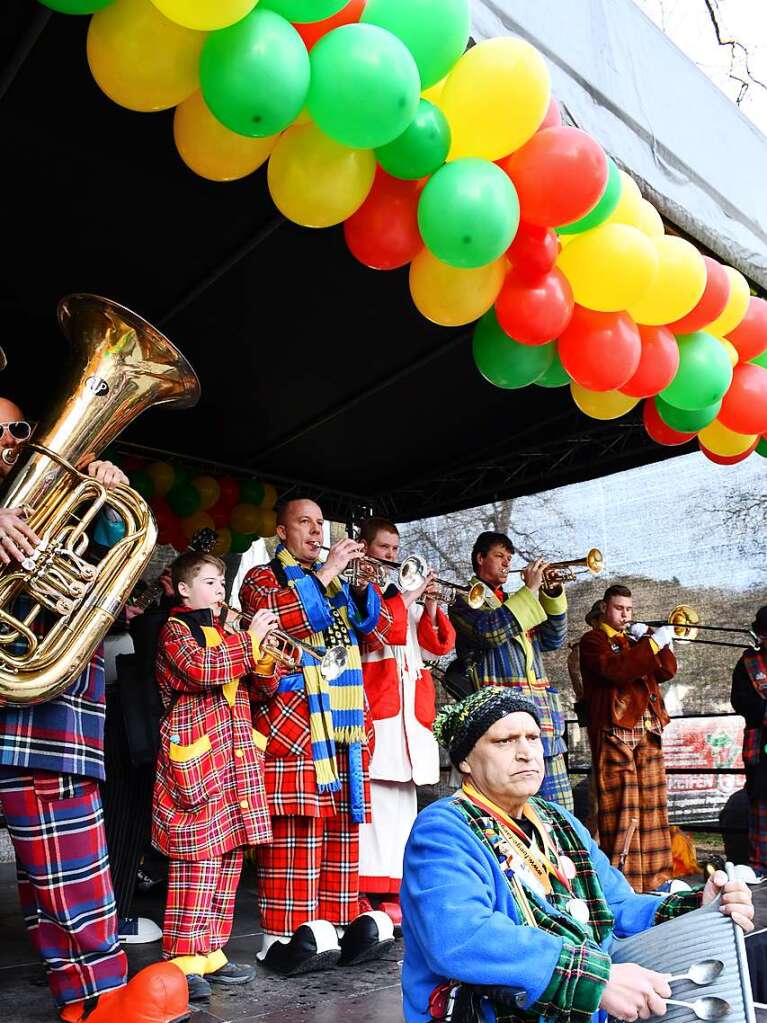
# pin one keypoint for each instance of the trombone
(287, 649)
(565, 571)
(686, 622)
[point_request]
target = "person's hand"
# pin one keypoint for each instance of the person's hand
(17, 540)
(664, 636)
(736, 899)
(166, 583)
(131, 612)
(106, 473)
(339, 556)
(632, 992)
(411, 596)
(263, 621)
(636, 630)
(533, 574)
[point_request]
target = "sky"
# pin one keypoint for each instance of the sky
(688, 24)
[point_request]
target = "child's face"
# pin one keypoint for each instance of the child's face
(206, 590)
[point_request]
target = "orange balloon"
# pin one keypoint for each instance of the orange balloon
(210, 149)
(450, 296)
(192, 523)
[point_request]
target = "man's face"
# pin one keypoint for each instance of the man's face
(493, 567)
(507, 763)
(384, 545)
(9, 413)
(206, 590)
(301, 530)
(618, 613)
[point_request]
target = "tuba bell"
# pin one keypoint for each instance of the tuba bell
(123, 366)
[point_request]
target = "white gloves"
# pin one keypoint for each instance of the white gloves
(664, 636)
(636, 630)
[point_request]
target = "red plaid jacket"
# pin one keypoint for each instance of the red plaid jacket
(209, 792)
(291, 783)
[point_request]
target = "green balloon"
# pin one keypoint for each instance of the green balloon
(760, 360)
(435, 31)
(421, 148)
(761, 447)
(603, 209)
(365, 87)
(251, 492)
(142, 483)
(302, 11)
(180, 474)
(704, 372)
(555, 376)
(184, 499)
(505, 362)
(686, 420)
(254, 75)
(241, 542)
(468, 213)
(77, 7)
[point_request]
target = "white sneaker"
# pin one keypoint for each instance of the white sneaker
(137, 930)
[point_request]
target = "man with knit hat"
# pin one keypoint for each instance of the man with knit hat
(506, 899)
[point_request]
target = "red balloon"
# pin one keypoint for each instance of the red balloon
(220, 513)
(658, 363)
(553, 118)
(744, 407)
(383, 233)
(163, 513)
(534, 250)
(750, 336)
(728, 459)
(600, 351)
(560, 175)
(658, 430)
(230, 491)
(712, 301)
(536, 311)
(313, 31)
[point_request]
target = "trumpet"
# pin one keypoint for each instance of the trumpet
(687, 626)
(413, 572)
(565, 571)
(376, 570)
(287, 649)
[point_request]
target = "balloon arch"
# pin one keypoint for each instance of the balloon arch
(373, 113)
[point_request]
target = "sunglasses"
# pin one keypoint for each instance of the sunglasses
(19, 430)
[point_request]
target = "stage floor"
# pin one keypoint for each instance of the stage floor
(369, 993)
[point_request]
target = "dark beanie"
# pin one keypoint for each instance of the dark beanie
(760, 622)
(460, 726)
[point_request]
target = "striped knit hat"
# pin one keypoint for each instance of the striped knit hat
(460, 726)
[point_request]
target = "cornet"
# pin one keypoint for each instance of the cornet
(376, 570)
(413, 572)
(559, 572)
(287, 649)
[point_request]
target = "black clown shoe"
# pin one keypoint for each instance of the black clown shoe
(366, 938)
(232, 973)
(199, 988)
(312, 946)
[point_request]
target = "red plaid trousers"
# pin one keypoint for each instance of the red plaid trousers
(200, 907)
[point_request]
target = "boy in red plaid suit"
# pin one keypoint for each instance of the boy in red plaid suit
(51, 763)
(209, 799)
(317, 754)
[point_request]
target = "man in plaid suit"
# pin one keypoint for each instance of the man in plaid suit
(501, 642)
(317, 770)
(51, 763)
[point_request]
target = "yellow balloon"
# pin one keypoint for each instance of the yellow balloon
(245, 518)
(192, 523)
(163, 476)
(730, 349)
(315, 181)
(602, 404)
(610, 267)
(495, 98)
(210, 149)
(449, 296)
(223, 543)
(650, 221)
(209, 490)
(304, 117)
(205, 15)
(269, 498)
(140, 59)
(717, 439)
(267, 522)
(734, 311)
(677, 286)
(434, 93)
(629, 208)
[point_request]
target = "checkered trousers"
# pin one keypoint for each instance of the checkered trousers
(757, 834)
(556, 787)
(56, 826)
(200, 906)
(631, 782)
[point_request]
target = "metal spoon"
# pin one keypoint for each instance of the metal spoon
(701, 973)
(709, 1008)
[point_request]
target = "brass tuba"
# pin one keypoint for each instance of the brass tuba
(122, 366)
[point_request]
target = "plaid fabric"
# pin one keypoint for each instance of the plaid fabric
(308, 872)
(633, 736)
(502, 643)
(631, 782)
(291, 781)
(556, 787)
(200, 906)
(757, 834)
(209, 795)
(65, 889)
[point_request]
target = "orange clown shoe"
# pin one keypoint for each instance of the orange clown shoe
(158, 994)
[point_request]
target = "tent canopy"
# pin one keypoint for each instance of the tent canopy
(316, 371)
